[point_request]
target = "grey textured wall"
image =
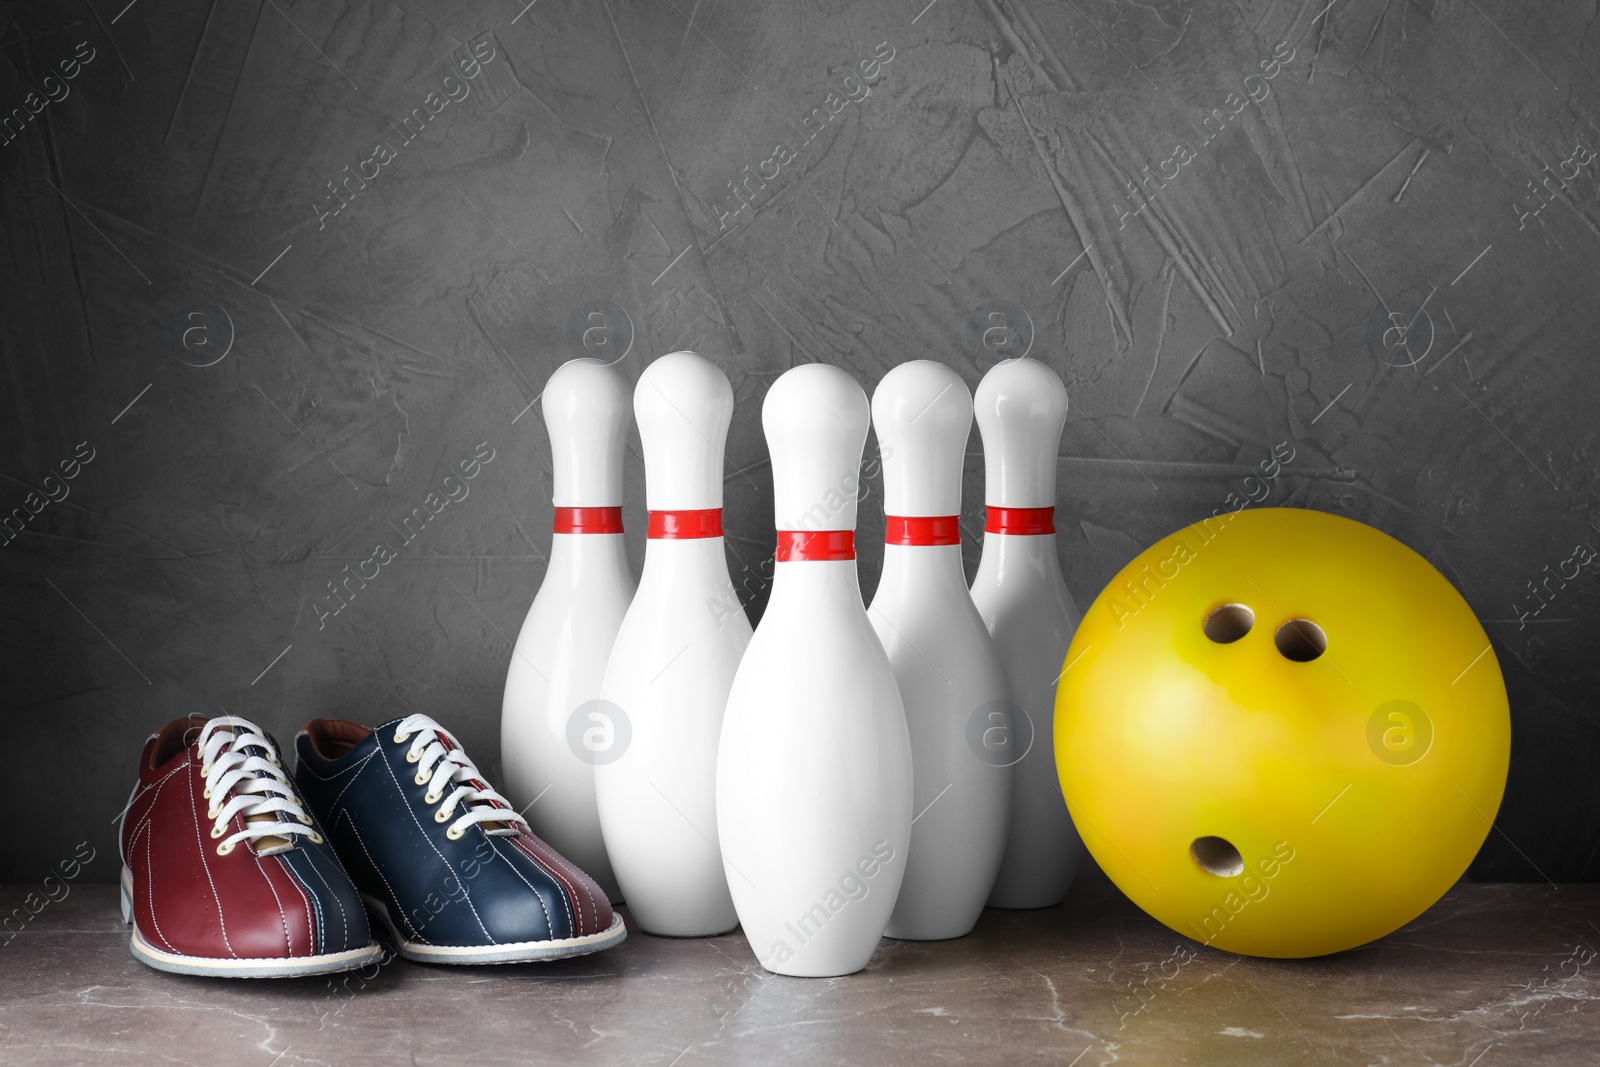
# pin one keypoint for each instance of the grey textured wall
(230, 367)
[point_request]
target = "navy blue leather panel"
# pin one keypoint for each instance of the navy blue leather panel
(341, 917)
(480, 890)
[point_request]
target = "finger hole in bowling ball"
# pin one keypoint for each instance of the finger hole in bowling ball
(1301, 640)
(1216, 855)
(1227, 624)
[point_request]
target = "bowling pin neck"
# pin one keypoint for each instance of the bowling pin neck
(682, 579)
(922, 550)
(925, 568)
(1019, 561)
(578, 559)
(807, 586)
(686, 558)
(689, 539)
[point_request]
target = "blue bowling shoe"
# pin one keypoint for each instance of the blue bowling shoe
(441, 859)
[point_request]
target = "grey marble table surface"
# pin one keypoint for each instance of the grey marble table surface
(1492, 975)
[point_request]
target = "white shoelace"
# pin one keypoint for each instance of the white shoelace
(443, 766)
(242, 782)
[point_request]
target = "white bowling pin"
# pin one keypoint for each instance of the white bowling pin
(949, 674)
(553, 728)
(673, 662)
(814, 771)
(1022, 407)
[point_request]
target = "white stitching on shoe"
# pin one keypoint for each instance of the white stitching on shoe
(548, 925)
(309, 769)
(465, 896)
(144, 822)
(569, 894)
(143, 826)
(222, 922)
(150, 893)
(568, 867)
(315, 902)
(394, 898)
(157, 783)
(344, 920)
(313, 924)
(149, 813)
(283, 919)
(358, 767)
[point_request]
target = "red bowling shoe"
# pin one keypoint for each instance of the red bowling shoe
(225, 871)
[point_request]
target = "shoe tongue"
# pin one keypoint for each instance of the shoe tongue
(497, 828)
(273, 844)
(256, 748)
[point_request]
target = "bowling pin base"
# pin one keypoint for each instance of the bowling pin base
(824, 973)
(684, 934)
(930, 933)
(1027, 886)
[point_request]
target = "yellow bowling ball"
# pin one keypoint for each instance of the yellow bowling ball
(1282, 733)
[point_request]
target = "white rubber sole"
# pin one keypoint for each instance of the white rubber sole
(513, 952)
(289, 967)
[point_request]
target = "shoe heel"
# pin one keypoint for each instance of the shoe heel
(126, 896)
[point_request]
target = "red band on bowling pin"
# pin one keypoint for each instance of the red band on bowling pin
(1021, 520)
(922, 529)
(803, 545)
(683, 525)
(588, 520)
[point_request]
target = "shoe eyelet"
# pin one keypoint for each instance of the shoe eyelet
(205, 794)
(400, 738)
(422, 779)
(304, 818)
(440, 816)
(454, 834)
(205, 771)
(218, 831)
(211, 813)
(225, 848)
(431, 797)
(316, 838)
(412, 757)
